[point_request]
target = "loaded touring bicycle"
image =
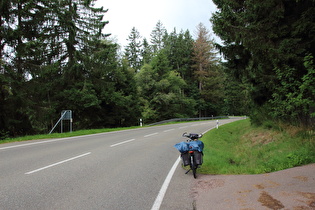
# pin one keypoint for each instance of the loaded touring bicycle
(191, 151)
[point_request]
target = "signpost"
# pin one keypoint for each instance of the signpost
(65, 115)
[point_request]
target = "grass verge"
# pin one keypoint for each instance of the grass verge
(64, 135)
(239, 148)
(74, 133)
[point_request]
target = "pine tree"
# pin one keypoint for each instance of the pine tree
(146, 52)
(207, 70)
(179, 50)
(204, 54)
(79, 23)
(157, 36)
(133, 49)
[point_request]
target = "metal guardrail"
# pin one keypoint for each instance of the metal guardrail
(189, 119)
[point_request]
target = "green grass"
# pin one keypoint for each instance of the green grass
(74, 133)
(239, 148)
(64, 135)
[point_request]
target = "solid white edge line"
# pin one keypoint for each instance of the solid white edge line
(57, 163)
(160, 196)
(208, 130)
(159, 199)
(113, 145)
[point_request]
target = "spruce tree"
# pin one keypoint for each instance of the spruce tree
(146, 52)
(22, 56)
(157, 36)
(133, 49)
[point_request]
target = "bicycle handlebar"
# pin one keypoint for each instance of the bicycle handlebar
(192, 135)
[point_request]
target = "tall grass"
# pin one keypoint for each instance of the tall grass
(239, 148)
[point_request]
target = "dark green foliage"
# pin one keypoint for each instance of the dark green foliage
(266, 43)
(54, 57)
(237, 99)
(169, 84)
(146, 52)
(179, 50)
(160, 89)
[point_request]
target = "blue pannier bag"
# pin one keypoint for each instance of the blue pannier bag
(196, 145)
(182, 147)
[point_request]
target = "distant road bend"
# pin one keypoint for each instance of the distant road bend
(131, 169)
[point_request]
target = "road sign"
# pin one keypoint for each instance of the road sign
(66, 114)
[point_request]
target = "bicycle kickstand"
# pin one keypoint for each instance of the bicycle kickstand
(188, 171)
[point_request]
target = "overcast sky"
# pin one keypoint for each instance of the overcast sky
(144, 14)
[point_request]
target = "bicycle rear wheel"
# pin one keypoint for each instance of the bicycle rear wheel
(193, 165)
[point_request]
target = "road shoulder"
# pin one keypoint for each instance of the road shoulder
(288, 189)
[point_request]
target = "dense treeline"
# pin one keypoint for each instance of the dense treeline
(54, 57)
(269, 47)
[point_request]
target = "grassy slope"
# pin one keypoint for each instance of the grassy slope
(239, 148)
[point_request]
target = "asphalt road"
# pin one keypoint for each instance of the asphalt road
(116, 170)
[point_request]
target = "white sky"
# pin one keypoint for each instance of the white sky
(144, 14)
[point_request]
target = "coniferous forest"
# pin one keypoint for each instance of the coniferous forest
(55, 57)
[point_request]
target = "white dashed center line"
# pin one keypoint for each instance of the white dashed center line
(123, 142)
(152, 134)
(57, 163)
(169, 130)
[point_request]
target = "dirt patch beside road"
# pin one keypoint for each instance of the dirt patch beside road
(287, 189)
